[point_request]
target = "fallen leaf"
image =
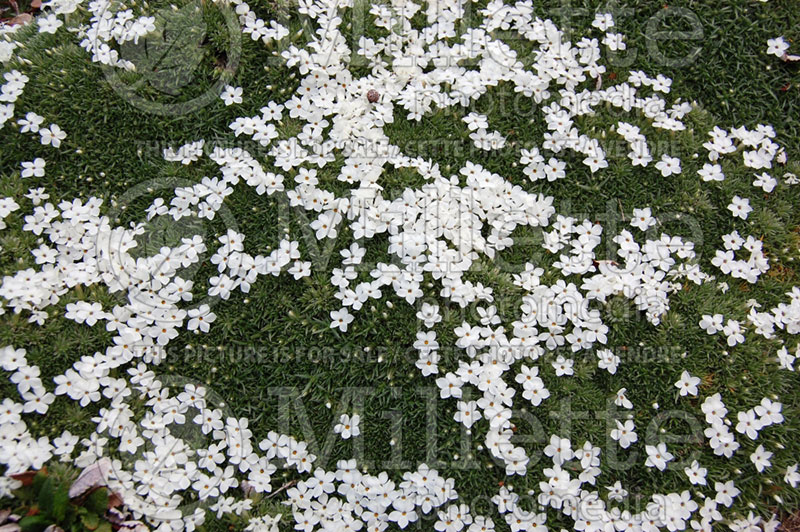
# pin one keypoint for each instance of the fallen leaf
(91, 477)
(22, 19)
(26, 478)
(114, 500)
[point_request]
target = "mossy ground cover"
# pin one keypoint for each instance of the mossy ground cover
(271, 355)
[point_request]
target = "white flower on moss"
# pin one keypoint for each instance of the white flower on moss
(33, 168)
(740, 207)
(792, 477)
(696, 473)
(231, 95)
(658, 456)
(348, 426)
(687, 384)
(669, 165)
(761, 458)
(49, 23)
(52, 135)
(341, 318)
(777, 46)
(625, 433)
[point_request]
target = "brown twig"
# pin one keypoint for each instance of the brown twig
(285, 486)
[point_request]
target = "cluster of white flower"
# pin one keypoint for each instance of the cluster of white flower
(749, 269)
(204, 199)
(19, 450)
(256, 27)
(260, 128)
(783, 316)
(244, 269)
(7, 44)
(438, 230)
(109, 27)
(186, 154)
(10, 91)
(732, 329)
(640, 152)
(758, 152)
(672, 511)
(7, 206)
(374, 501)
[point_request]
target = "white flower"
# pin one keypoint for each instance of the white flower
(766, 182)
(749, 424)
(341, 319)
(777, 47)
(711, 172)
(696, 474)
(52, 135)
(687, 385)
(231, 95)
(428, 363)
(761, 458)
(603, 21)
(563, 366)
(38, 400)
(264, 523)
(200, 318)
(669, 165)
(468, 413)
(348, 426)
(49, 23)
(449, 385)
(740, 207)
(616, 492)
(429, 314)
(300, 269)
(658, 456)
(622, 400)
(560, 450)
(714, 409)
(614, 41)
(733, 332)
(625, 433)
(607, 360)
(33, 168)
(64, 445)
(31, 123)
(426, 342)
(643, 218)
(726, 492)
(792, 477)
(769, 412)
(476, 121)
(711, 324)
